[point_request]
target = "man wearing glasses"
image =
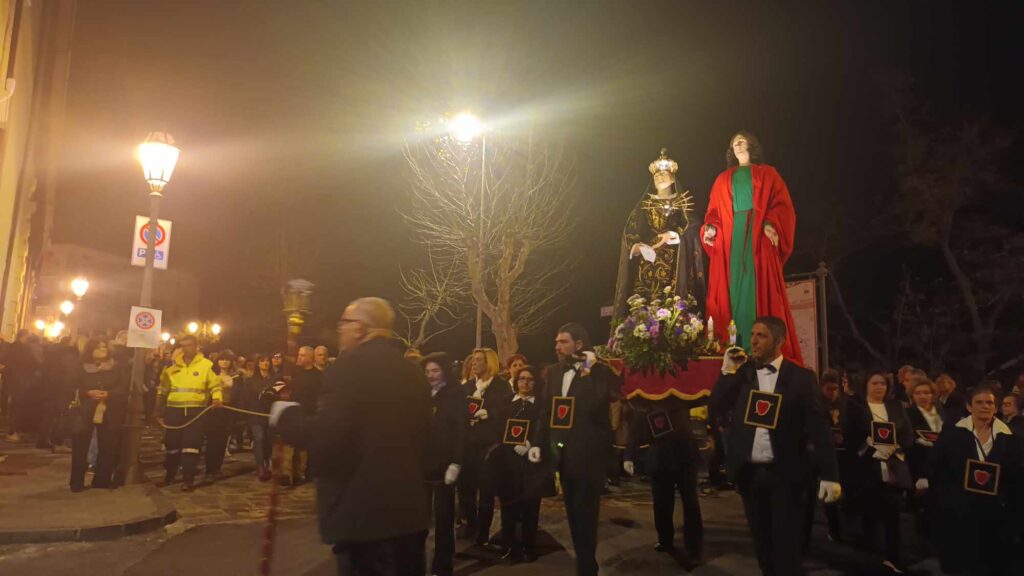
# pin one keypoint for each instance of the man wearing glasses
(369, 441)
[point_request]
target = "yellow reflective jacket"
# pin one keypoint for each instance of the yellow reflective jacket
(189, 386)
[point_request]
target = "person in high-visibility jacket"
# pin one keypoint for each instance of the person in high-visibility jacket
(186, 388)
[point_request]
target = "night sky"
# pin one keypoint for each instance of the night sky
(291, 118)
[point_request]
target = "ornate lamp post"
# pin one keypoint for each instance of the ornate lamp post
(158, 156)
(206, 332)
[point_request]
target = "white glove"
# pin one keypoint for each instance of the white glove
(925, 443)
(451, 474)
(883, 452)
(733, 359)
(481, 414)
(709, 235)
(533, 454)
(278, 408)
(629, 467)
(522, 448)
(921, 484)
(829, 491)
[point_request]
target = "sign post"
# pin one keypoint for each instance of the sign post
(144, 327)
(140, 242)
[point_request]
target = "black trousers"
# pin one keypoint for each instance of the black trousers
(774, 509)
(108, 441)
(441, 499)
(217, 425)
(880, 504)
(525, 512)
(182, 445)
(476, 501)
(399, 556)
(664, 485)
(582, 509)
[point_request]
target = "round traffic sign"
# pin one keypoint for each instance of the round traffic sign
(145, 320)
(161, 234)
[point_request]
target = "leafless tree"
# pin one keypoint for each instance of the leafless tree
(433, 296)
(500, 209)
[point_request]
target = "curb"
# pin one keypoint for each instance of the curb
(166, 514)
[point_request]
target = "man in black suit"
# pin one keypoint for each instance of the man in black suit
(777, 414)
(369, 442)
(581, 440)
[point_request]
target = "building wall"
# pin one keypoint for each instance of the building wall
(35, 52)
(114, 287)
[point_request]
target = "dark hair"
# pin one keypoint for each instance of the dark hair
(442, 360)
(1016, 399)
(777, 326)
(753, 146)
(831, 376)
(181, 341)
(861, 387)
(90, 346)
(515, 357)
(577, 332)
(538, 379)
(982, 388)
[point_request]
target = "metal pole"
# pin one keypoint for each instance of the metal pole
(480, 240)
(133, 427)
(822, 274)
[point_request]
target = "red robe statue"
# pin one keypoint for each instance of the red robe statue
(772, 204)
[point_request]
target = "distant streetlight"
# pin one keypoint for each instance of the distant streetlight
(204, 331)
(158, 156)
(166, 336)
(215, 329)
(192, 327)
(67, 307)
(79, 286)
(40, 325)
(465, 127)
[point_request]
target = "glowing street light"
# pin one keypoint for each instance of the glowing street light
(192, 327)
(67, 307)
(215, 329)
(465, 127)
(79, 286)
(40, 325)
(166, 336)
(158, 156)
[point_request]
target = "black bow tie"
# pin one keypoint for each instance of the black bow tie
(769, 367)
(570, 367)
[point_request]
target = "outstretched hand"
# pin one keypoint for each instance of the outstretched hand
(771, 233)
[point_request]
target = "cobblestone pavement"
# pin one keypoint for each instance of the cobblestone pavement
(239, 496)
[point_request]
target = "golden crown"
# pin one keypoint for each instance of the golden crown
(663, 163)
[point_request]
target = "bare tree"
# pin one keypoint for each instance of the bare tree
(433, 296)
(500, 209)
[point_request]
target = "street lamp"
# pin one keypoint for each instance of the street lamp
(79, 286)
(158, 156)
(166, 337)
(205, 332)
(40, 325)
(464, 128)
(192, 327)
(67, 307)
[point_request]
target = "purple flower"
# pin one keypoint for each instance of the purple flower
(655, 330)
(662, 314)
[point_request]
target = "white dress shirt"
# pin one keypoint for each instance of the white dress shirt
(568, 376)
(932, 418)
(880, 414)
(529, 399)
(761, 452)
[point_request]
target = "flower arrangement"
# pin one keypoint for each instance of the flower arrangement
(660, 334)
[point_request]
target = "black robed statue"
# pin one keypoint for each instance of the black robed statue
(659, 247)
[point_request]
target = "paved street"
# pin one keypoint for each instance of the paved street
(219, 529)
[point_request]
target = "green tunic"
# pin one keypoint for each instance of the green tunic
(742, 283)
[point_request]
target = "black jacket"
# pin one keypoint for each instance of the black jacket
(918, 455)
(802, 423)
(369, 440)
(112, 378)
(583, 451)
(511, 476)
(668, 453)
(955, 406)
(256, 395)
(865, 470)
(448, 431)
(487, 433)
(306, 388)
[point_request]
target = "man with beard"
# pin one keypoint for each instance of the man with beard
(581, 436)
(779, 435)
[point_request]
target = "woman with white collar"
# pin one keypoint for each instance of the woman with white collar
(976, 479)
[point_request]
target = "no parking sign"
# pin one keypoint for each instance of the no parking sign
(140, 242)
(144, 327)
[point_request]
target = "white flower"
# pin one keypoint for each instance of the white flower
(641, 332)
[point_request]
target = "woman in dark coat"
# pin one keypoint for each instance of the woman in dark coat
(103, 398)
(878, 474)
(974, 529)
(927, 418)
(517, 471)
(256, 395)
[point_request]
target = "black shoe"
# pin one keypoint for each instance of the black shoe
(76, 489)
(660, 547)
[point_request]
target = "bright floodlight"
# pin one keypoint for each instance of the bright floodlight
(193, 327)
(40, 325)
(158, 155)
(54, 330)
(66, 307)
(466, 127)
(166, 336)
(215, 329)
(79, 286)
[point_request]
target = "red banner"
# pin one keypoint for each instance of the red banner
(694, 382)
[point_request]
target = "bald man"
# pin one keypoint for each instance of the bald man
(368, 440)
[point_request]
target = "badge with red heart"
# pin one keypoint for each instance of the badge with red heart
(562, 411)
(517, 430)
(883, 433)
(763, 409)
(474, 404)
(982, 477)
(660, 423)
(927, 435)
